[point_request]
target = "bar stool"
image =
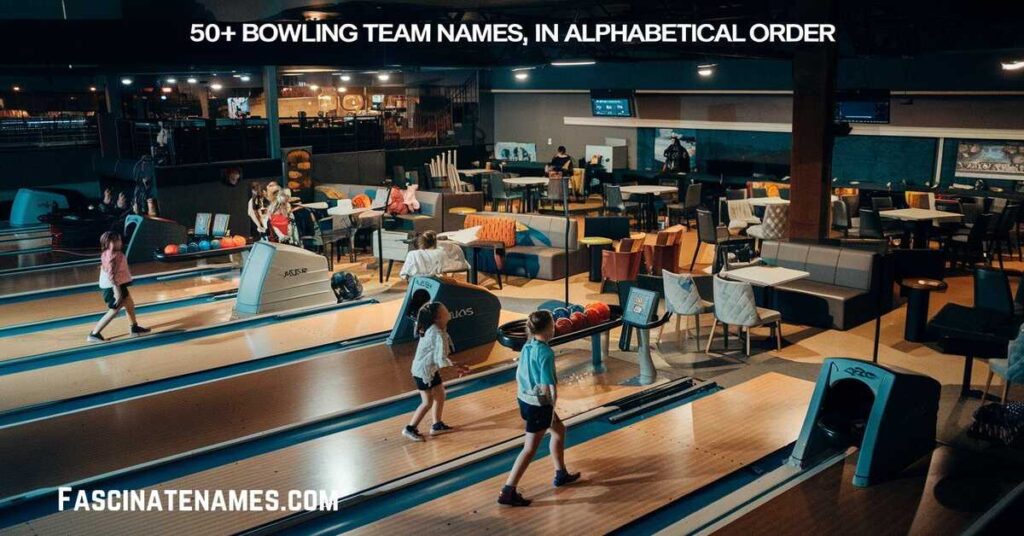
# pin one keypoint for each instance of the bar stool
(596, 245)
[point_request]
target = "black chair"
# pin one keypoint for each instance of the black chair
(970, 248)
(1001, 237)
(688, 208)
(784, 193)
(398, 176)
(882, 203)
(759, 192)
(871, 225)
(992, 291)
(614, 203)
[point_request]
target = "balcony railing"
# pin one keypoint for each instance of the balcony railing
(32, 133)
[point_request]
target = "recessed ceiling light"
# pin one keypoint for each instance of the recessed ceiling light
(215, 86)
(126, 81)
(383, 77)
(166, 89)
(314, 87)
(191, 80)
(342, 89)
(16, 88)
(706, 70)
(522, 76)
(172, 80)
(345, 78)
(1013, 65)
(244, 78)
(163, 97)
(574, 63)
(92, 88)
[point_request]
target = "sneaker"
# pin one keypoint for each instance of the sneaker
(95, 337)
(512, 498)
(412, 434)
(440, 428)
(139, 330)
(563, 478)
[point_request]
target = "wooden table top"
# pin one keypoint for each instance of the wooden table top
(648, 189)
(917, 214)
(766, 276)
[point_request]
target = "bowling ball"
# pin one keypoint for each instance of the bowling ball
(239, 241)
(560, 312)
(204, 245)
(193, 247)
(574, 308)
(606, 312)
(214, 244)
(563, 326)
(182, 248)
(171, 249)
(346, 286)
(579, 321)
(593, 316)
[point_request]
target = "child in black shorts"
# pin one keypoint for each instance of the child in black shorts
(537, 394)
(431, 356)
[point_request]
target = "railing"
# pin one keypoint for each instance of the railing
(29, 133)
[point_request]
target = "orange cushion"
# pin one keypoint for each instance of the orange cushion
(361, 201)
(493, 229)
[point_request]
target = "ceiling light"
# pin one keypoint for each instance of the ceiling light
(215, 86)
(1013, 65)
(383, 77)
(314, 87)
(522, 76)
(163, 97)
(574, 63)
(172, 80)
(92, 88)
(345, 78)
(342, 89)
(126, 81)
(706, 69)
(16, 88)
(244, 78)
(192, 80)
(165, 89)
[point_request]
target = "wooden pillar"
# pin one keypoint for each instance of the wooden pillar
(273, 121)
(814, 81)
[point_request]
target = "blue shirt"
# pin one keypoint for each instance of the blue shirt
(536, 368)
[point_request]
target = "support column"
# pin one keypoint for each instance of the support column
(273, 121)
(814, 81)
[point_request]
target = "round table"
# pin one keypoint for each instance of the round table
(650, 193)
(597, 245)
(528, 183)
(918, 290)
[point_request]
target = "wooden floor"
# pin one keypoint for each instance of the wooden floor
(630, 472)
(358, 459)
(81, 303)
(94, 441)
(45, 259)
(21, 282)
(127, 368)
(941, 494)
(70, 337)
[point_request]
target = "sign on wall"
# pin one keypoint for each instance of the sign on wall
(990, 159)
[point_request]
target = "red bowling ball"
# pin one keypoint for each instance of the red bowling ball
(171, 249)
(593, 316)
(563, 326)
(579, 321)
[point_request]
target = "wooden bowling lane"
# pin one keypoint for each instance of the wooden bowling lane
(360, 458)
(21, 282)
(81, 303)
(70, 447)
(630, 472)
(69, 337)
(46, 259)
(157, 362)
(941, 494)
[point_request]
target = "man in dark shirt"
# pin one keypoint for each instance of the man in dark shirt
(562, 162)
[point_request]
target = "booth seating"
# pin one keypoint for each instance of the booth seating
(433, 214)
(539, 250)
(842, 291)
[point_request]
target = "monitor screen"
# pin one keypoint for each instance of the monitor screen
(202, 226)
(611, 103)
(862, 107)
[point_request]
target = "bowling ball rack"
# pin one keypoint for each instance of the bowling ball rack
(160, 256)
(513, 334)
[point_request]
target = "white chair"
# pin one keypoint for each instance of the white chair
(775, 225)
(735, 306)
(741, 214)
(1011, 369)
(683, 299)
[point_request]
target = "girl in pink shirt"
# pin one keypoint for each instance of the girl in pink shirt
(114, 281)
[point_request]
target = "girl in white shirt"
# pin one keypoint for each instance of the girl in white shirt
(426, 259)
(431, 356)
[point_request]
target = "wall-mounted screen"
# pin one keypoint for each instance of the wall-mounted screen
(990, 159)
(238, 107)
(514, 151)
(611, 103)
(862, 106)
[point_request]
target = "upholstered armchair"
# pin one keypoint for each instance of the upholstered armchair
(663, 254)
(623, 264)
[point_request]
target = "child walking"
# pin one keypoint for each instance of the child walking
(537, 394)
(114, 281)
(431, 356)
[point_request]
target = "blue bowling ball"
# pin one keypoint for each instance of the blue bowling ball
(551, 305)
(214, 244)
(193, 247)
(204, 245)
(575, 308)
(182, 248)
(560, 312)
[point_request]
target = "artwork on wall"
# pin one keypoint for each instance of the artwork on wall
(989, 159)
(238, 107)
(514, 151)
(663, 138)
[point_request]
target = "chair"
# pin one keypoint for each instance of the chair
(398, 176)
(1010, 370)
(555, 192)
(614, 203)
(871, 226)
(992, 291)
(740, 214)
(784, 193)
(689, 205)
(1000, 237)
(775, 225)
(735, 305)
(758, 192)
(664, 253)
(500, 193)
(682, 299)
(882, 203)
(970, 248)
(733, 194)
(706, 233)
(624, 263)
(841, 220)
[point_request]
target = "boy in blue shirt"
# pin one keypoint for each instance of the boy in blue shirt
(537, 394)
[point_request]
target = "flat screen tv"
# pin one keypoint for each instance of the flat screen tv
(611, 103)
(862, 106)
